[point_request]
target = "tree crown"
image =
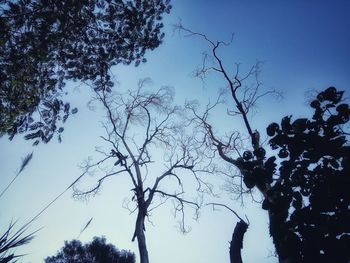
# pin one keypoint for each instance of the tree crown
(97, 251)
(45, 43)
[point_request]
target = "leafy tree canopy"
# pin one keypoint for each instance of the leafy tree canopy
(44, 43)
(307, 184)
(96, 251)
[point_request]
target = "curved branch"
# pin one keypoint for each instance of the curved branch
(230, 209)
(98, 185)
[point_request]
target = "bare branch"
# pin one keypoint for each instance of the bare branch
(245, 92)
(227, 207)
(78, 193)
(180, 207)
(243, 102)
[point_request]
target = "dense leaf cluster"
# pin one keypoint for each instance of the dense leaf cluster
(44, 43)
(308, 196)
(96, 251)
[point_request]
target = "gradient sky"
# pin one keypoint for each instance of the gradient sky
(304, 45)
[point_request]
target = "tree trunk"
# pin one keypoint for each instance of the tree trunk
(286, 242)
(236, 243)
(141, 238)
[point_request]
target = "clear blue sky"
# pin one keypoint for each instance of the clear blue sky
(304, 46)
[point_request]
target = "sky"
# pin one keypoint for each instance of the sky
(304, 46)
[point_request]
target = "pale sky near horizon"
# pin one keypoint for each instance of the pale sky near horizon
(304, 46)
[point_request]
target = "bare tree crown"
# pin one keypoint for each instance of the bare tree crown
(147, 140)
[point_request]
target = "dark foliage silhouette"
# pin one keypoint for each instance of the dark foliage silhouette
(96, 251)
(308, 195)
(305, 183)
(45, 43)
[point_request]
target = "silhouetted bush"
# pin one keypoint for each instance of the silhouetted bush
(307, 183)
(97, 251)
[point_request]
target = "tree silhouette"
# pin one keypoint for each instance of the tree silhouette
(97, 251)
(45, 43)
(305, 184)
(149, 142)
(308, 196)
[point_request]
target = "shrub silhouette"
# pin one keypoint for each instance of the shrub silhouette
(96, 251)
(307, 183)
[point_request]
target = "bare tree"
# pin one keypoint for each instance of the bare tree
(244, 89)
(141, 125)
(245, 98)
(304, 180)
